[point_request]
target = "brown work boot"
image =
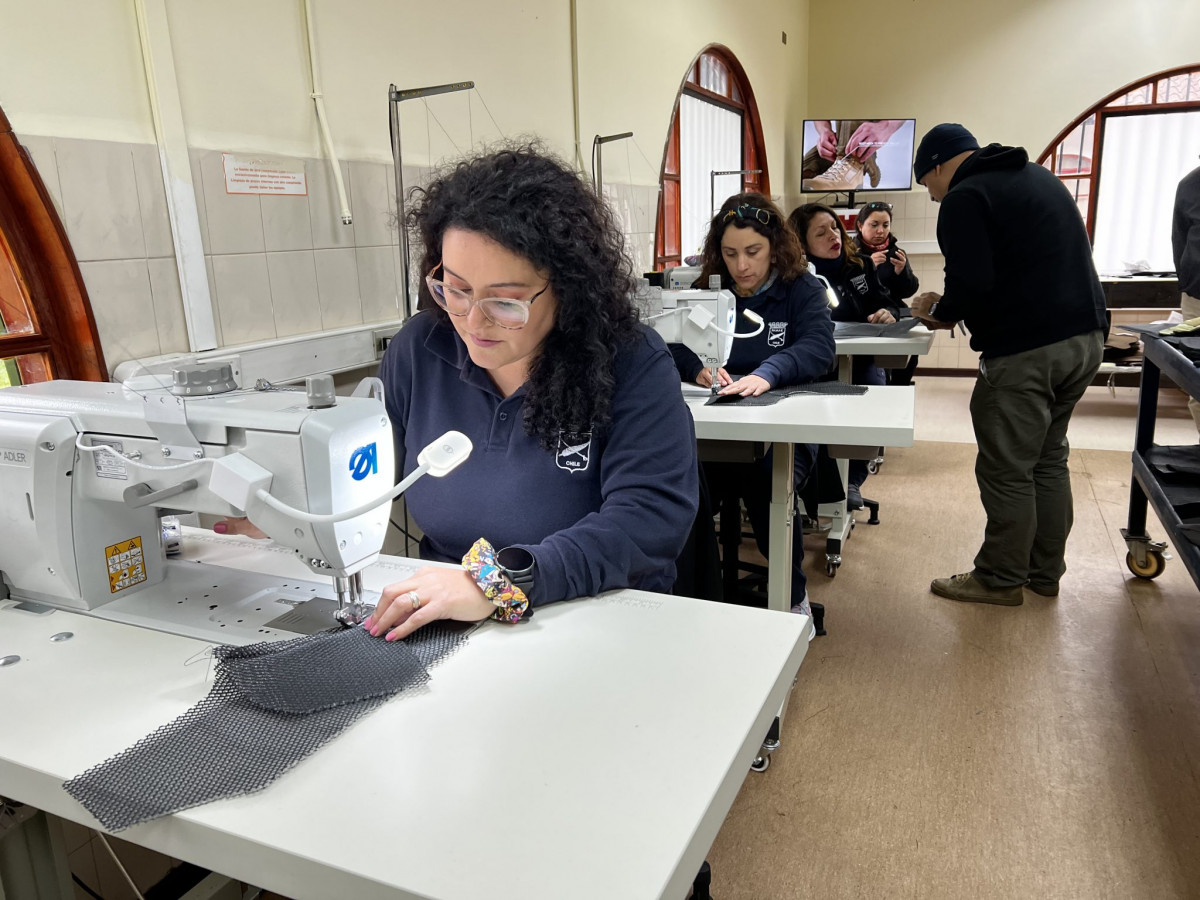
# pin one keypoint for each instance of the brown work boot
(844, 175)
(966, 589)
(872, 169)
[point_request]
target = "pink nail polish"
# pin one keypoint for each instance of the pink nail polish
(221, 527)
(390, 637)
(374, 631)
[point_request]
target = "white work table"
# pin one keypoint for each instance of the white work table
(883, 416)
(889, 352)
(591, 752)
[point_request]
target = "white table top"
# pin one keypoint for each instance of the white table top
(591, 752)
(915, 343)
(883, 416)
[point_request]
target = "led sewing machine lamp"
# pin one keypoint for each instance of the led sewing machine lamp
(244, 484)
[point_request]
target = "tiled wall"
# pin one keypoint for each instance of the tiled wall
(277, 265)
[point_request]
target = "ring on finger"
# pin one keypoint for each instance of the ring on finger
(415, 599)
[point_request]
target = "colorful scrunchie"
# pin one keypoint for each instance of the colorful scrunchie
(510, 601)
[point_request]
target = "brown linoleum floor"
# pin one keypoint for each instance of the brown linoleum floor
(941, 750)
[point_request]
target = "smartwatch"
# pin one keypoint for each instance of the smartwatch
(518, 565)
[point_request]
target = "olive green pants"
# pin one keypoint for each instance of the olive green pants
(1020, 409)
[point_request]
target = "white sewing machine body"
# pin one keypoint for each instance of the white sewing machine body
(82, 530)
(688, 317)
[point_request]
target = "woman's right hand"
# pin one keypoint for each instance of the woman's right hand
(879, 257)
(704, 379)
(242, 526)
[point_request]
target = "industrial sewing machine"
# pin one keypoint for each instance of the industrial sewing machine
(87, 471)
(704, 322)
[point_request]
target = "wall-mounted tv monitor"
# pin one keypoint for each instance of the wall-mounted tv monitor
(849, 155)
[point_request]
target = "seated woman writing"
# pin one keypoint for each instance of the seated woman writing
(756, 254)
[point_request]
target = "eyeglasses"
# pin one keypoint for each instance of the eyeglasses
(746, 211)
(875, 206)
(503, 311)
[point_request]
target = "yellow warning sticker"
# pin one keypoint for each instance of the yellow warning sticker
(126, 565)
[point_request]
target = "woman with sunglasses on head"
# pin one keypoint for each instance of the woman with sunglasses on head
(875, 239)
(861, 298)
(583, 477)
(750, 246)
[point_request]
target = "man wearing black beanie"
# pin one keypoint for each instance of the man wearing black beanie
(1019, 274)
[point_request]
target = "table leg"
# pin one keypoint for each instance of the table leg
(782, 515)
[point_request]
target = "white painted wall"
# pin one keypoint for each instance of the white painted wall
(1016, 72)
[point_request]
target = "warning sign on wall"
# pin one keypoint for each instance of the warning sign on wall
(262, 175)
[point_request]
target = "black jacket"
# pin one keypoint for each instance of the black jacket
(1019, 268)
(1185, 233)
(859, 292)
(901, 285)
(795, 346)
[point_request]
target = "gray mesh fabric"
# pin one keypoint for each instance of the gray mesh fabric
(271, 705)
(770, 398)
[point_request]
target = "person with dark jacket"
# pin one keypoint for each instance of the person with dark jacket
(861, 298)
(757, 256)
(876, 241)
(1019, 274)
(583, 475)
(1185, 246)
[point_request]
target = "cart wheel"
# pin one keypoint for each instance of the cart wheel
(831, 569)
(1155, 564)
(873, 467)
(761, 763)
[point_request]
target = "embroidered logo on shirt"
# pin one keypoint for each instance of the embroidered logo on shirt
(860, 283)
(574, 450)
(776, 333)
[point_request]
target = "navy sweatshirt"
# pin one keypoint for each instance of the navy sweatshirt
(1185, 233)
(859, 292)
(795, 346)
(901, 285)
(1019, 267)
(607, 509)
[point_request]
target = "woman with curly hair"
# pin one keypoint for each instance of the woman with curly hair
(753, 250)
(583, 476)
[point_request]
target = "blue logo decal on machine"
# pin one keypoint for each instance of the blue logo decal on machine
(364, 461)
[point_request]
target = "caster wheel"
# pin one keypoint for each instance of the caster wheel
(760, 764)
(1155, 564)
(873, 467)
(831, 569)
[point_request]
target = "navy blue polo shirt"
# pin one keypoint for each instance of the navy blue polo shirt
(603, 510)
(796, 344)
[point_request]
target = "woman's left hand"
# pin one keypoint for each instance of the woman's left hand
(881, 317)
(432, 593)
(748, 386)
(899, 261)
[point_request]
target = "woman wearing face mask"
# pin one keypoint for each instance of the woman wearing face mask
(861, 298)
(750, 246)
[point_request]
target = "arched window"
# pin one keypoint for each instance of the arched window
(1074, 155)
(716, 102)
(46, 325)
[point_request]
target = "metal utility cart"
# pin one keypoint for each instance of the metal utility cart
(1147, 558)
